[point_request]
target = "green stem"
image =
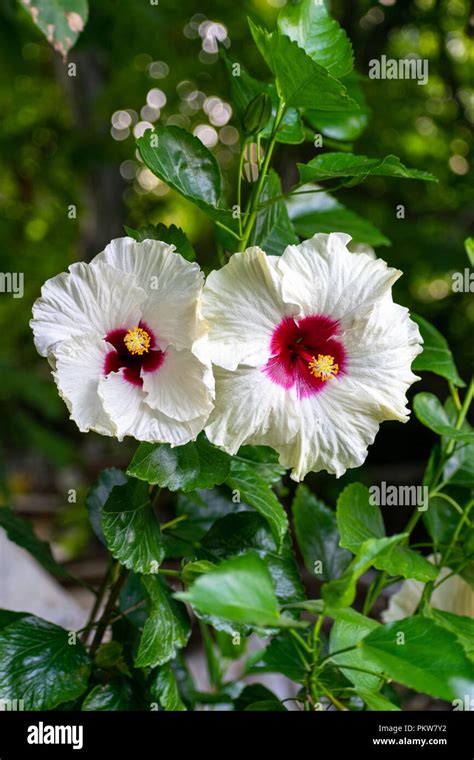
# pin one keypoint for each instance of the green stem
(97, 604)
(252, 214)
(228, 230)
(170, 573)
(108, 611)
(364, 670)
(412, 523)
(301, 641)
(335, 654)
(464, 518)
(156, 492)
(316, 632)
(332, 698)
(456, 571)
(294, 191)
(450, 500)
(462, 414)
(455, 395)
(173, 522)
(213, 665)
(239, 185)
(373, 592)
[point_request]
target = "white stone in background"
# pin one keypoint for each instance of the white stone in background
(26, 587)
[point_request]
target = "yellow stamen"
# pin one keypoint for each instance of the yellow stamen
(323, 367)
(137, 341)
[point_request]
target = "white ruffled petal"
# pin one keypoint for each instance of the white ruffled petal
(324, 277)
(182, 388)
(79, 366)
(87, 299)
(242, 304)
(126, 405)
(336, 427)
(381, 345)
(250, 409)
(172, 285)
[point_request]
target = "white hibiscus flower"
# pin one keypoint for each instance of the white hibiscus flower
(453, 594)
(121, 334)
(311, 353)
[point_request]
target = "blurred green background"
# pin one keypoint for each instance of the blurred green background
(68, 141)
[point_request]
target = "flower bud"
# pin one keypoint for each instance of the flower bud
(257, 114)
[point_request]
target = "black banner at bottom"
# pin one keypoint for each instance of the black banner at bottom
(375, 734)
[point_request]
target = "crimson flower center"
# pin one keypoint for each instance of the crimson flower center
(306, 354)
(135, 352)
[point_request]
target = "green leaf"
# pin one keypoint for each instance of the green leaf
(181, 161)
(98, 494)
(347, 125)
(132, 601)
(320, 212)
(164, 689)
(376, 701)
(61, 21)
(202, 508)
(349, 628)
(193, 570)
(244, 88)
(266, 706)
(318, 536)
(460, 625)
(401, 560)
(359, 520)
(255, 491)
(341, 593)
(290, 131)
(436, 356)
(238, 533)
(440, 520)
(10, 616)
(458, 470)
(172, 235)
(230, 646)
(255, 692)
(167, 628)
(131, 529)
(430, 412)
(348, 165)
(309, 24)
(264, 460)
(21, 532)
(39, 665)
(239, 589)
(281, 656)
(469, 246)
(197, 464)
(301, 81)
(273, 230)
(110, 656)
(116, 695)
(430, 660)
